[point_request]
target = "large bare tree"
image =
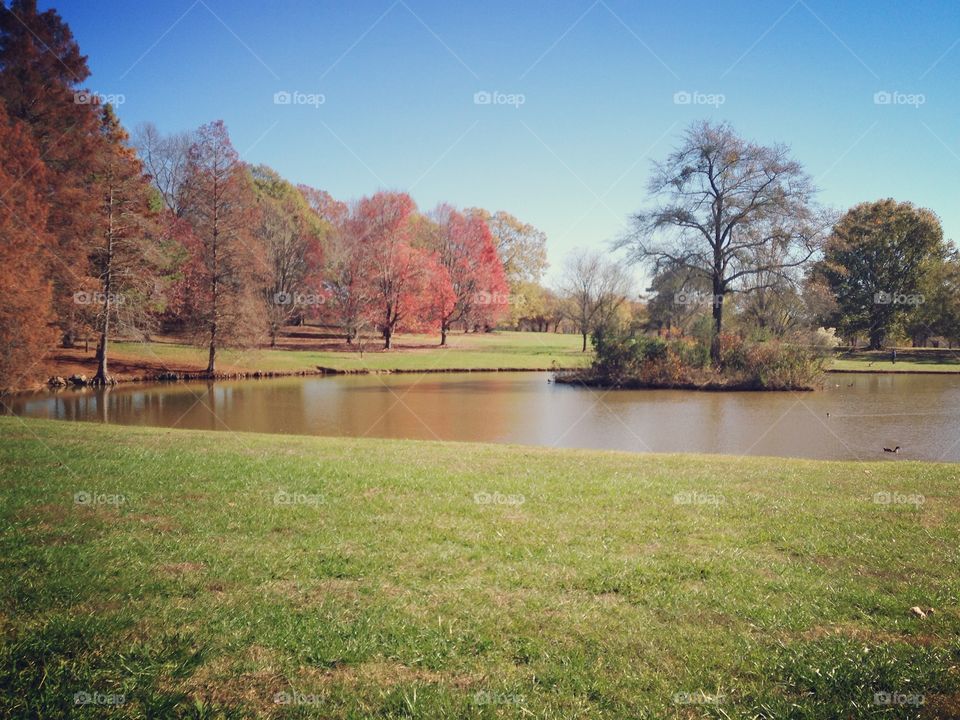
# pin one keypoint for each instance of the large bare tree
(737, 214)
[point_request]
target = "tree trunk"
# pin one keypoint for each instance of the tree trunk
(101, 377)
(443, 335)
(387, 338)
(717, 327)
(584, 348)
(212, 359)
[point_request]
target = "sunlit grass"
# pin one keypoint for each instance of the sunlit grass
(582, 585)
(908, 360)
(501, 350)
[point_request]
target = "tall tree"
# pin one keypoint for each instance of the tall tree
(874, 264)
(41, 73)
(292, 235)
(227, 271)
(25, 293)
(730, 211)
(594, 289)
(383, 227)
(466, 252)
(127, 257)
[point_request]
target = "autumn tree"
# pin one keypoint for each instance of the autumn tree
(41, 74)
(127, 257)
(466, 252)
(874, 264)
(227, 270)
(593, 288)
(729, 211)
(382, 227)
(26, 306)
(521, 247)
(291, 234)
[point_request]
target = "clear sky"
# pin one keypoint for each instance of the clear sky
(599, 82)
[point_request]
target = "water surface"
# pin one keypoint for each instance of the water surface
(855, 416)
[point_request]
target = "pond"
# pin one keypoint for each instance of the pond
(854, 417)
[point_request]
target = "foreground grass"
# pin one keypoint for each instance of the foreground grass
(621, 586)
(908, 360)
(515, 350)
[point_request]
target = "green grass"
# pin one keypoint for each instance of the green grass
(388, 592)
(908, 360)
(517, 350)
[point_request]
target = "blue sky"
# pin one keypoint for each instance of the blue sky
(598, 80)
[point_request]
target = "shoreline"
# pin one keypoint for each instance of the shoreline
(70, 383)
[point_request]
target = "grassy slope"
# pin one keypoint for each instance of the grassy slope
(908, 360)
(490, 351)
(397, 595)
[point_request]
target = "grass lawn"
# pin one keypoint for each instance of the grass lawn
(581, 585)
(516, 350)
(908, 360)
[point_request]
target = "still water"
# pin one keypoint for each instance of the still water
(853, 417)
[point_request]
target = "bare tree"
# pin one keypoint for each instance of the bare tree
(593, 288)
(165, 159)
(738, 214)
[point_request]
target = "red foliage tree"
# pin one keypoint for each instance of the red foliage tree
(467, 252)
(126, 257)
(226, 271)
(398, 274)
(25, 294)
(41, 72)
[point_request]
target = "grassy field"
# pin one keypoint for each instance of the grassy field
(217, 575)
(908, 360)
(518, 350)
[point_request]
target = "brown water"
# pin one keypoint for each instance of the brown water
(866, 413)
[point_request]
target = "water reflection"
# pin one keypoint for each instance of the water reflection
(853, 417)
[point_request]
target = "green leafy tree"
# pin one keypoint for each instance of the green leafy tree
(875, 262)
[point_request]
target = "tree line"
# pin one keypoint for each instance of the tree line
(114, 234)
(734, 239)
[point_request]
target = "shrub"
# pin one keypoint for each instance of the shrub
(626, 358)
